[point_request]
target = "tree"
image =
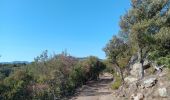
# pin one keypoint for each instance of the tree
(142, 22)
(43, 57)
(142, 39)
(115, 50)
(93, 67)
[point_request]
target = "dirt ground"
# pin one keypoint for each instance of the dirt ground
(96, 90)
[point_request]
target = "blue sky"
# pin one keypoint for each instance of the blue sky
(83, 27)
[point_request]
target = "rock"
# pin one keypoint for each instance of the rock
(136, 69)
(122, 92)
(146, 63)
(133, 60)
(158, 68)
(162, 92)
(164, 72)
(149, 82)
(130, 79)
(132, 88)
(138, 96)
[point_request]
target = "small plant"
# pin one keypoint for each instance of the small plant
(117, 83)
(164, 61)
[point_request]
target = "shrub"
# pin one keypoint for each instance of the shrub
(16, 86)
(164, 61)
(117, 82)
(92, 66)
(162, 57)
(47, 78)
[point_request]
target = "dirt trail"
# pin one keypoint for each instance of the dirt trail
(96, 90)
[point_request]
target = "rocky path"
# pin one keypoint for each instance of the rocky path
(96, 90)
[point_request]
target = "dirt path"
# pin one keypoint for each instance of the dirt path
(96, 90)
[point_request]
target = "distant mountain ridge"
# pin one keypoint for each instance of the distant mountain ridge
(16, 62)
(84, 58)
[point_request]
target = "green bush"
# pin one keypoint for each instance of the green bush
(47, 78)
(92, 66)
(14, 87)
(162, 57)
(164, 61)
(117, 82)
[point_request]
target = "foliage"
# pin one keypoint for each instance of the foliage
(7, 69)
(93, 66)
(117, 52)
(50, 78)
(115, 48)
(146, 28)
(117, 82)
(15, 86)
(109, 67)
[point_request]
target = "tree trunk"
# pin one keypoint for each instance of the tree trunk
(140, 57)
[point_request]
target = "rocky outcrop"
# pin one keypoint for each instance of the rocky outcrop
(137, 67)
(152, 87)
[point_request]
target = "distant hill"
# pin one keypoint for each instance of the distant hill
(84, 58)
(16, 62)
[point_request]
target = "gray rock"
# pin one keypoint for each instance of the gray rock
(162, 92)
(138, 96)
(132, 61)
(130, 79)
(149, 82)
(157, 67)
(136, 69)
(132, 88)
(146, 62)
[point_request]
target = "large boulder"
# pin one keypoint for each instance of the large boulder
(136, 69)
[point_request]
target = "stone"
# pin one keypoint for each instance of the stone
(132, 88)
(158, 68)
(136, 69)
(133, 60)
(130, 79)
(146, 63)
(162, 92)
(149, 82)
(138, 96)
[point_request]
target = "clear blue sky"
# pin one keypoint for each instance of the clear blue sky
(83, 27)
